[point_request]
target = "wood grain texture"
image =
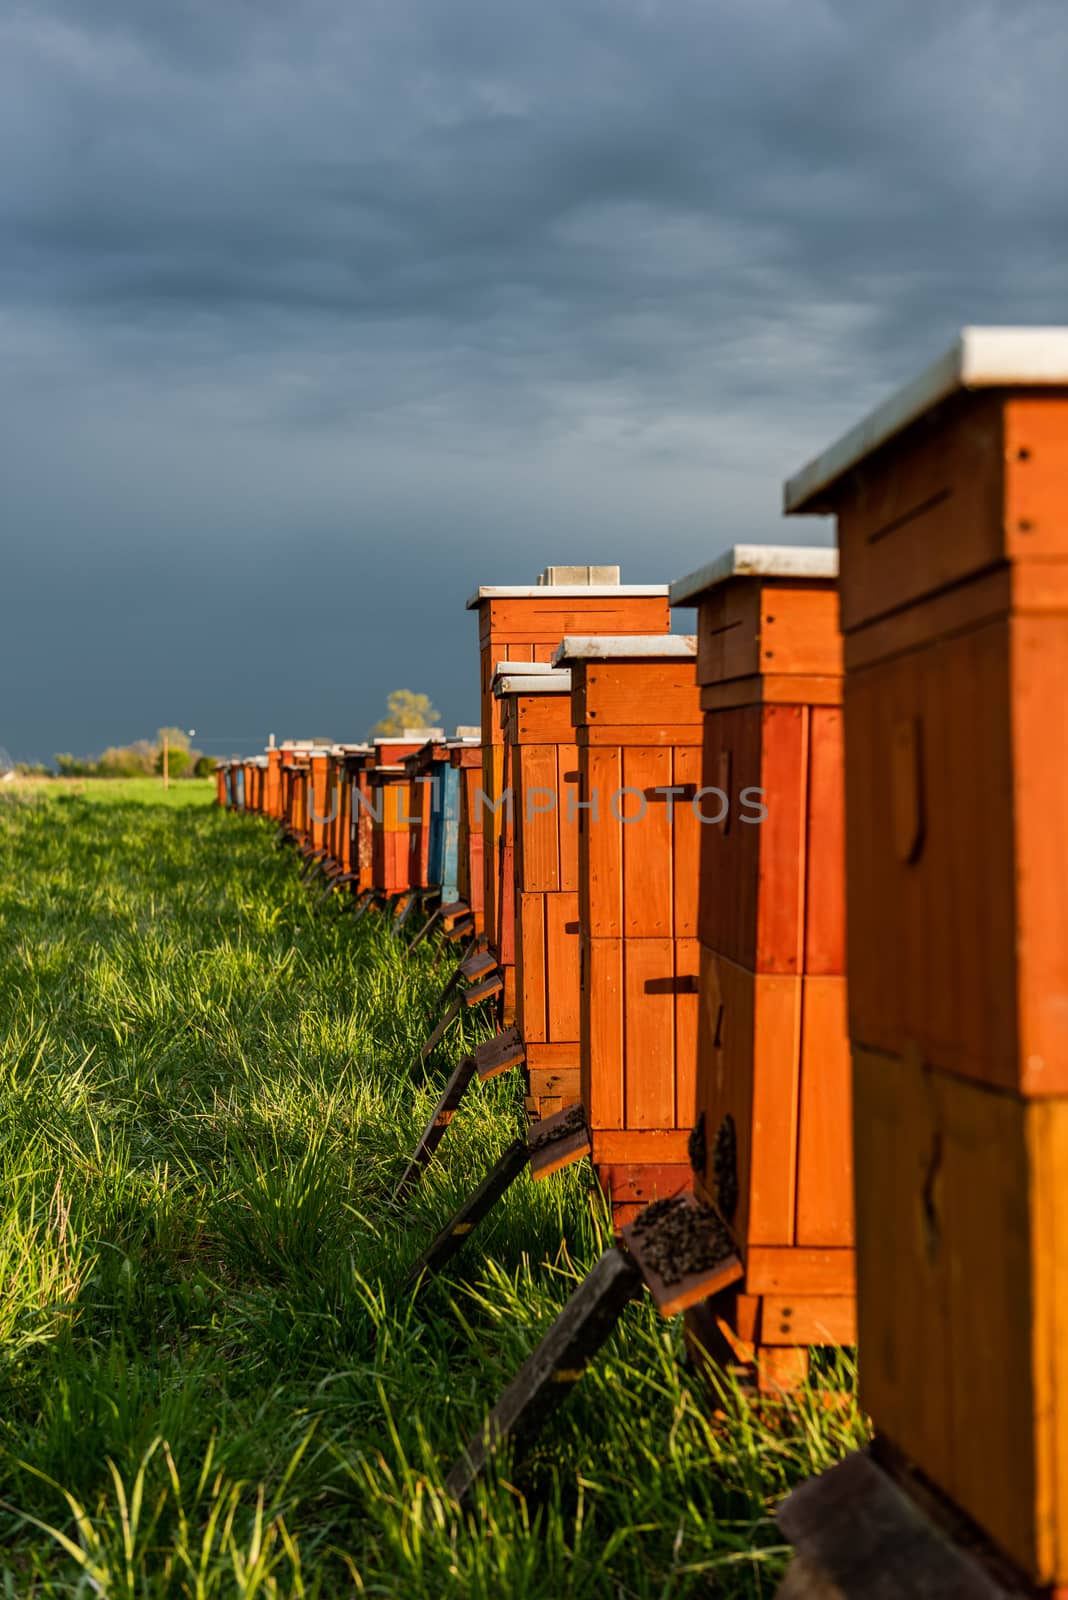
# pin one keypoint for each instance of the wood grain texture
(562, 955)
(824, 1214)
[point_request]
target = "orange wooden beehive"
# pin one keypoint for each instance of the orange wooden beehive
(953, 533)
(220, 783)
(422, 767)
(272, 784)
(526, 624)
(339, 828)
(389, 808)
(465, 754)
(772, 1144)
(541, 771)
(295, 768)
(636, 711)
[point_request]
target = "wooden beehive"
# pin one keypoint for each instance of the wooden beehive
(541, 770)
(953, 534)
(447, 866)
(297, 815)
(636, 711)
(423, 767)
(221, 783)
(258, 772)
(272, 784)
(526, 624)
(340, 782)
(389, 800)
(772, 1142)
(318, 797)
(466, 758)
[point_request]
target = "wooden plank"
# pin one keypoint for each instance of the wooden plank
(824, 1213)
(784, 776)
(687, 1007)
(825, 827)
(477, 965)
(456, 1232)
(808, 1319)
(771, 628)
(537, 810)
(773, 1269)
(558, 1141)
(567, 789)
(649, 1023)
(636, 693)
(496, 1055)
(562, 958)
(683, 1251)
(440, 1118)
(929, 516)
(632, 1146)
(545, 1378)
(562, 1083)
(602, 1031)
(767, 689)
(639, 1185)
(485, 990)
(686, 841)
(444, 1022)
(860, 1533)
(601, 845)
(531, 979)
(648, 876)
(553, 1057)
(775, 1046)
(643, 734)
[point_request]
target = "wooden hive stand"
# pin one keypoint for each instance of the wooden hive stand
(952, 509)
(526, 624)
(541, 770)
(772, 1145)
(636, 712)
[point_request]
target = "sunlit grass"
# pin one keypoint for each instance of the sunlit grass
(211, 1382)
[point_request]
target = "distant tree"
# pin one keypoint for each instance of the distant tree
(69, 766)
(204, 767)
(406, 710)
(178, 761)
(32, 769)
(123, 761)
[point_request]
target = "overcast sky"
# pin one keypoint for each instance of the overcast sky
(317, 314)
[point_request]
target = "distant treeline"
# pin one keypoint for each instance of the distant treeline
(141, 759)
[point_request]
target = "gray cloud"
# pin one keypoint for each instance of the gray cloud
(304, 307)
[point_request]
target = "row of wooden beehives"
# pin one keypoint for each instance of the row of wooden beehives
(666, 903)
(592, 721)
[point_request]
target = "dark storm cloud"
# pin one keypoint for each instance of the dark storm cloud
(426, 294)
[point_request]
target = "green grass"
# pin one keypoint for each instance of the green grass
(211, 1385)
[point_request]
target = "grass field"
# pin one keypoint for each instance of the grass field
(211, 1385)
